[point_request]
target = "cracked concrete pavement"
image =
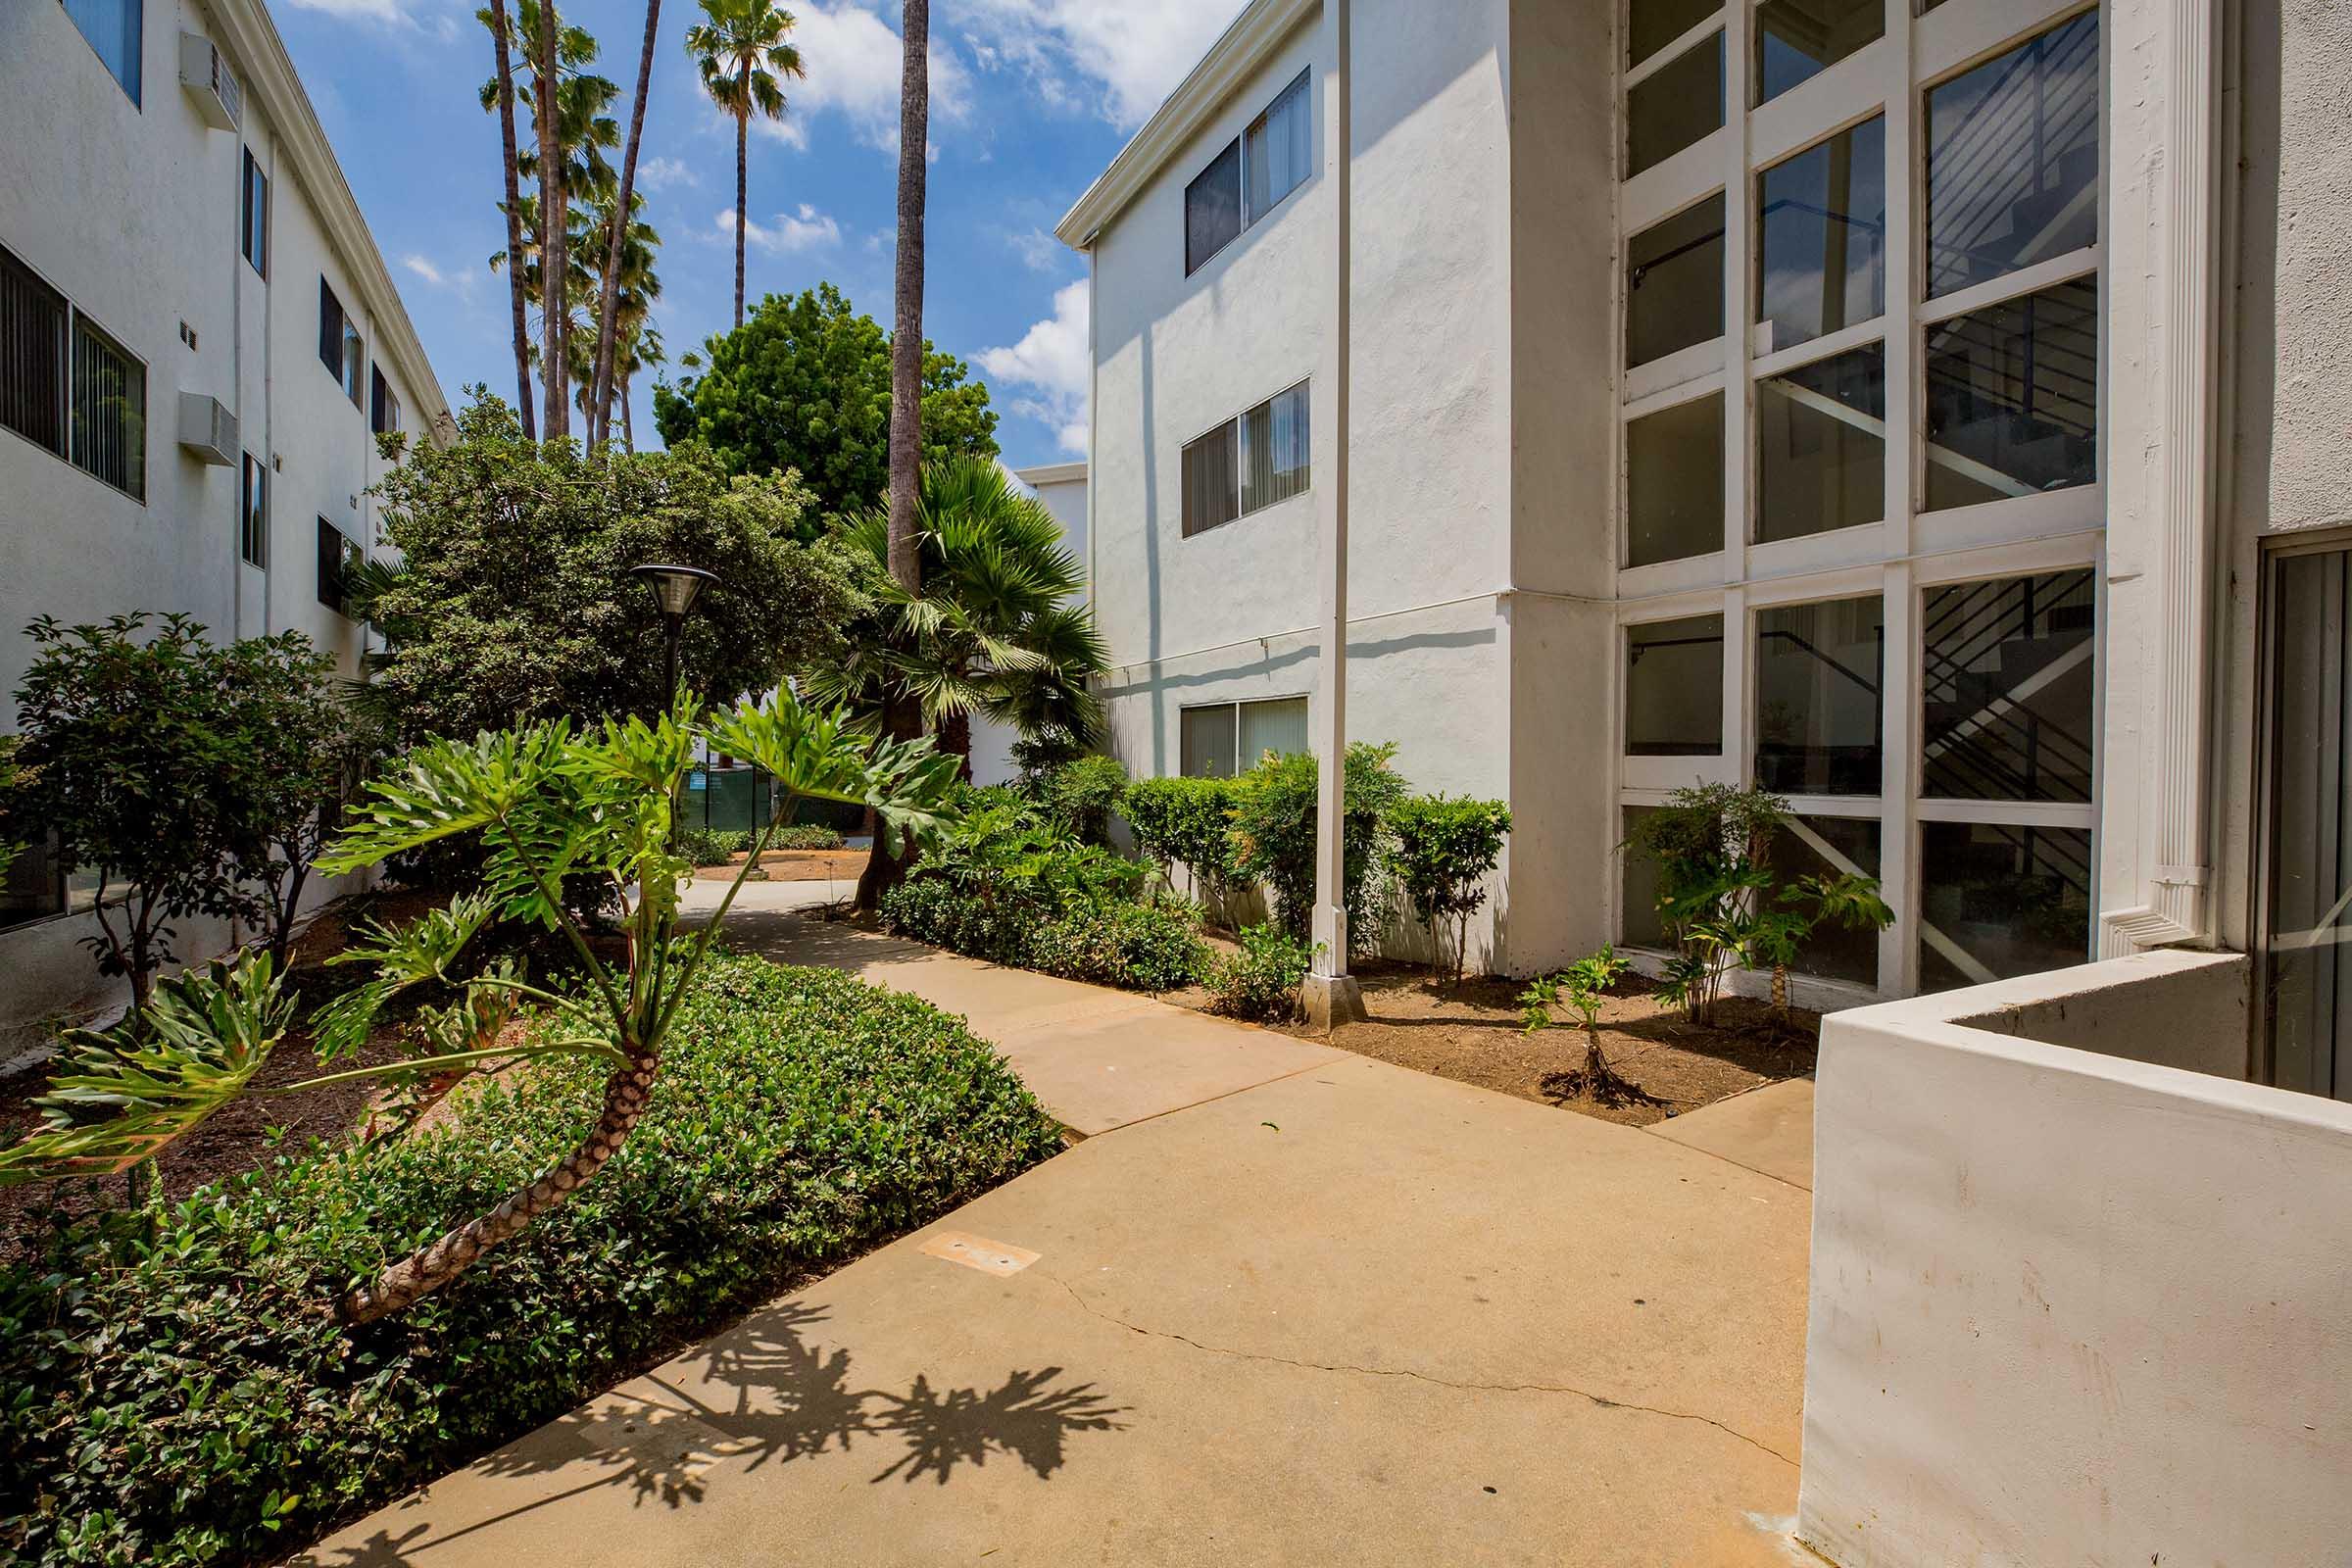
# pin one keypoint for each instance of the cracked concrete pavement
(1282, 1309)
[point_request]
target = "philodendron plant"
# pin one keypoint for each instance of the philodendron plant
(548, 804)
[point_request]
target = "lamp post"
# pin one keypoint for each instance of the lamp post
(675, 590)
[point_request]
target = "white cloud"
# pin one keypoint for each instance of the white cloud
(1049, 362)
(398, 12)
(1038, 250)
(852, 59)
(459, 280)
(804, 230)
(1118, 58)
(659, 174)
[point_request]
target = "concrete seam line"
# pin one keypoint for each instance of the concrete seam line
(1195, 1105)
(1601, 1400)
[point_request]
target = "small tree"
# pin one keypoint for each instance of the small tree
(1582, 984)
(1187, 822)
(128, 756)
(1708, 843)
(1443, 849)
(548, 803)
(1804, 907)
(294, 761)
(1274, 813)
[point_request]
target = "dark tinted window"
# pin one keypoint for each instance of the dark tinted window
(1675, 106)
(1674, 283)
(1212, 208)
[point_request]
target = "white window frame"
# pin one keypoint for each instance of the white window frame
(1234, 705)
(1909, 550)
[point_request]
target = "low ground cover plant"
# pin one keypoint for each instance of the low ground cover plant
(1260, 982)
(176, 1395)
(705, 846)
(803, 835)
(1582, 984)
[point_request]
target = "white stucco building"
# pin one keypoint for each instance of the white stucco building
(1062, 489)
(1935, 414)
(198, 345)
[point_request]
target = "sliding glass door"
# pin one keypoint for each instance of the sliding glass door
(2307, 937)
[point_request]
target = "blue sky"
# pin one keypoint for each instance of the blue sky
(1030, 101)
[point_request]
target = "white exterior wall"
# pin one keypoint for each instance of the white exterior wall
(1062, 489)
(133, 213)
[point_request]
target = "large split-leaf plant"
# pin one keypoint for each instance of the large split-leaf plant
(548, 804)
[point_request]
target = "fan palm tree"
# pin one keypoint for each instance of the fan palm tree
(993, 629)
(741, 51)
(494, 17)
(608, 305)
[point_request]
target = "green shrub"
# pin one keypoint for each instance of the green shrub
(174, 1395)
(1115, 942)
(1079, 797)
(1274, 835)
(805, 836)
(1187, 822)
(710, 846)
(1262, 980)
(1442, 854)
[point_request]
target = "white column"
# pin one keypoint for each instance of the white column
(1331, 992)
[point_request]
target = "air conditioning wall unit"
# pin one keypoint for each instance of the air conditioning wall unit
(209, 81)
(207, 429)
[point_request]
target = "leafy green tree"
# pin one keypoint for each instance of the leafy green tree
(548, 803)
(992, 630)
(804, 384)
(1442, 851)
(514, 602)
(1274, 812)
(130, 756)
(296, 751)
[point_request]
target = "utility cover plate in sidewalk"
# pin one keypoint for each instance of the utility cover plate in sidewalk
(977, 1251)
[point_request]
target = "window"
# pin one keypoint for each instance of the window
(383, 409)
(337, 555)
(2005, 688)
(2013, 159)
(254, 215)
(1277, 150)
(1674, 283)
(1675, 106)
(330, 331)
(33, 356)
(1821, 222)
(1250, 175)
(2013, 397)
(1820, 697)
(253, 518)
(1830, 846)
(355, 362)
(1638, 917)
(1247, 462)
(110, 411)
(1221, 738)
(1821, 446)
(1797, 40)
(116, 30)
(1997, 900)
(1674, 687)
(1652, 25)
(37, 886)
(1674, 482)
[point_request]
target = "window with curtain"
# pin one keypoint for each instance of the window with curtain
(33, 356)
(115, 28)
(1277, 150)
(254, 215)
(1247, 462)
(1217, 740)
(110, 411)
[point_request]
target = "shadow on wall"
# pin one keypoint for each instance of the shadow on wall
(781, 1398)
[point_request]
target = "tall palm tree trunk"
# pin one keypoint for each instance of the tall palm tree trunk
(743, 132)
(515, 279)
(607, 306)
(628, 432)
(430, 1268)
(554, 208)
(886, 866)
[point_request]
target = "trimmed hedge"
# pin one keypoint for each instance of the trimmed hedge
(710, 846)
(805, 836)
(1187, 822)
(1139, 947)
(171, 1391)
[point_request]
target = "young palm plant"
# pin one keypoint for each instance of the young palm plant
(548, 804)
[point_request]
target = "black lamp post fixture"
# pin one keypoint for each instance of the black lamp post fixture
(675, 590)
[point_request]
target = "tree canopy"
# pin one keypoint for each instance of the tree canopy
(804, 384)
(514, 602)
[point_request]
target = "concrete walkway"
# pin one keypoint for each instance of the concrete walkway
(1286, 1305)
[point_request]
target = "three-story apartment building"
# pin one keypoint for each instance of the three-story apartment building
(1933, 413)
(199, 345)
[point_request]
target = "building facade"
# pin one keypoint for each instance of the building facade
(199, 346)
(1901, 408)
